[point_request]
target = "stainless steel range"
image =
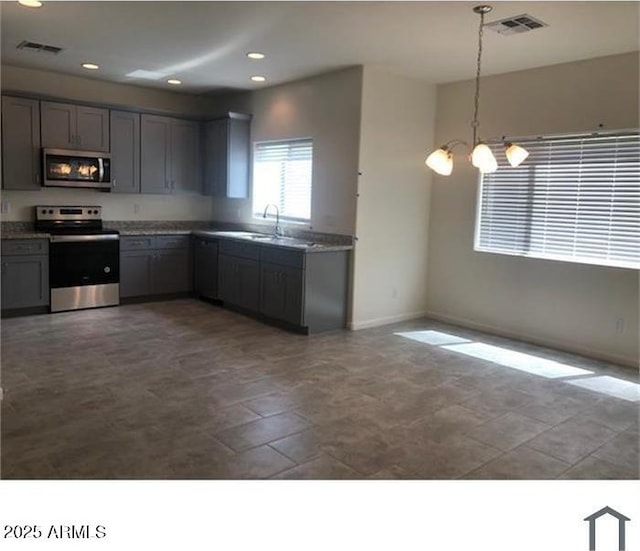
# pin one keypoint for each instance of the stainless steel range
(84, 259)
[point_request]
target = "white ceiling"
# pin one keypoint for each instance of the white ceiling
(204, 43)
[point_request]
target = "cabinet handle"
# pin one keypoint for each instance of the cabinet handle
(38, 179)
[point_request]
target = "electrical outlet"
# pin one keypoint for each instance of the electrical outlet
(136, 208)
(620, 326)
(5, 207)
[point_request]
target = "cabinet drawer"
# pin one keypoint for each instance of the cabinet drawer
(137, 243)
(25, 246)
(172, 241)
(242, 250)
(275, 255)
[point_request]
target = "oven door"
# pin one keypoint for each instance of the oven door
(84, 271)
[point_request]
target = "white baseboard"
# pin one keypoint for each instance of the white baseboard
(541, 341)
(378, 322)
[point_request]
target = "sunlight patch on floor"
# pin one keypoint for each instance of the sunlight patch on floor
(611, 386)
(518, 360)
(432, 337)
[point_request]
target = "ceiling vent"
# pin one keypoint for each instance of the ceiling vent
(516, 25)
(28, 46)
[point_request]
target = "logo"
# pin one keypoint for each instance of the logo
(592, 519)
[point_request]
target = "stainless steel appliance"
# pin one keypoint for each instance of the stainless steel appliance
(79, 169)
(84, 259)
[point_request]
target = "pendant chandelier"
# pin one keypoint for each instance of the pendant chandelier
(441, 160)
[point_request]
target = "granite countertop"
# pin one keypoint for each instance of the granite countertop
(25, 235)
(308, 244)
(155, 232)
(303, 245)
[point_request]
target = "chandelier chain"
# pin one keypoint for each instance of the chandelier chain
(476, 101)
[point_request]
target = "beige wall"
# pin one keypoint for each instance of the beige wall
(116, 206)
(572, 306)
(390, 257)
(327, 109)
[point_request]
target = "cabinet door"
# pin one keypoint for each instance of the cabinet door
(248, 281)
(238, 159)
(215, 153)
(227, 154)
(92, 128)
(155, 147)
(227, 284)
(25, 281)
(205, 268)
(170, 272)
(135, 273)
(58, 125)
(281, 293)
(20, 143)
(185, 156)
(125, 152)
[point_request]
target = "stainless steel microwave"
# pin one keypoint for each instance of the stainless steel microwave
(76, 169)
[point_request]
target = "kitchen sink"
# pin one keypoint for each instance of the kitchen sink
(268, 238)
(278, 240)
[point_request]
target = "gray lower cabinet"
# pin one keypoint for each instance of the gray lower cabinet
(239, 274)
(303, 290)
(154, 265)
(20, 143)
(281, 292)
(227, 154)
(205, 267)
(69, 126)
(25, 273)
(125, 152)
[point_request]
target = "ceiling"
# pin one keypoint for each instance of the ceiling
(204, 44)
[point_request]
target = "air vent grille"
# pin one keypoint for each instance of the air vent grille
(516, 25)
(29, 46)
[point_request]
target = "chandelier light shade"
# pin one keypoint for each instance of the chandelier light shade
(515, 154)
(483, 159)
(441, 160)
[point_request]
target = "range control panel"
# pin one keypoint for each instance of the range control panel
(50, 212)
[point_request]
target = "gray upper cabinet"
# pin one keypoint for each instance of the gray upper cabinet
(125, 152)
(170, 155)
(20, 143)
(155, 154)
(69, 126)
(227, 156)
(185, 156)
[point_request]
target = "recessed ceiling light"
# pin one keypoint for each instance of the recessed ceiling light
(174, 81)
(255, 55)
(91, 66)
(30, 3)
(258, 78)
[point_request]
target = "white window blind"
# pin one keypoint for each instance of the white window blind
(282, 175)
(575, 199)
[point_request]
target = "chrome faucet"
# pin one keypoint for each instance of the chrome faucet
(277, 230)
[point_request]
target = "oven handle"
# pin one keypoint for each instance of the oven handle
(83, 238)
(100, 170)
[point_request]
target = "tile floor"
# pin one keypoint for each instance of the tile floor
(184, 389)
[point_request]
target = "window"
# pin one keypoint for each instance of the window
(575, 199)
(282, 176)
